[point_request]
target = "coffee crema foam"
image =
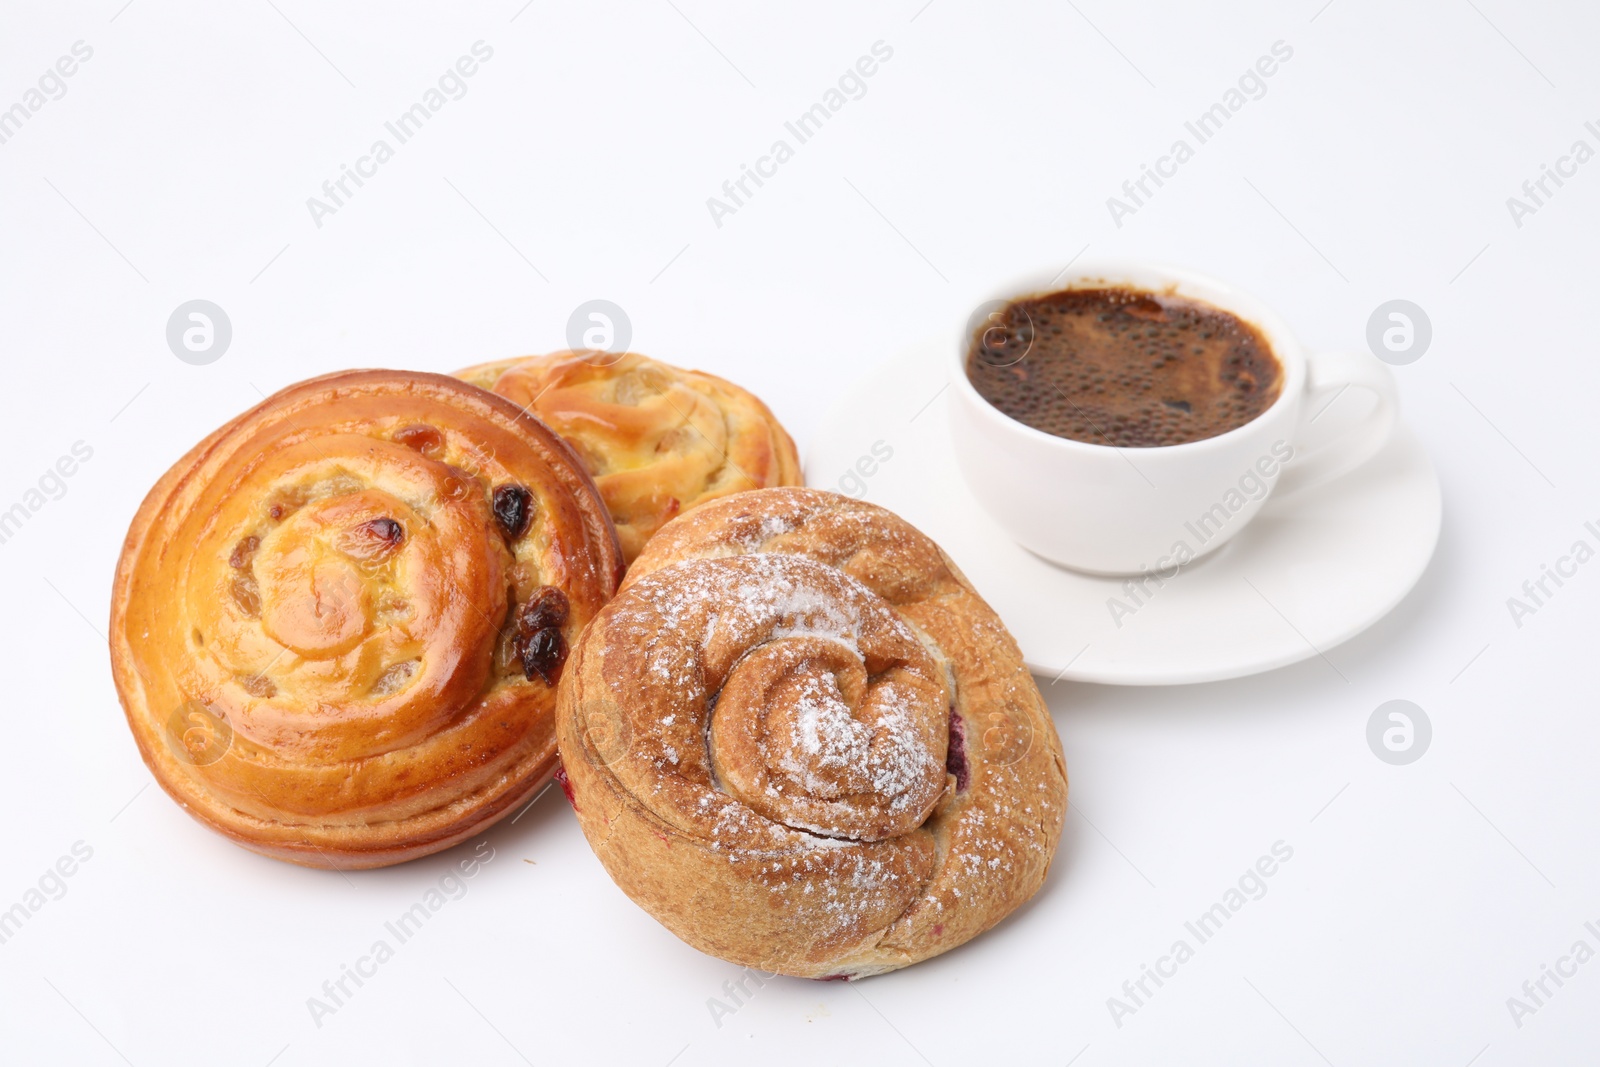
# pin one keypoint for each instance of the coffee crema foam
(1123, 367)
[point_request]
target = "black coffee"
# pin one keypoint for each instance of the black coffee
(1123, 367)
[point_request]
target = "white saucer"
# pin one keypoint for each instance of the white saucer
(1306, 574)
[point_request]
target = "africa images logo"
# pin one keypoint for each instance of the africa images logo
(1252, 85)
(451, 85)
(851, 85)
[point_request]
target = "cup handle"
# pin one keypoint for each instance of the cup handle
(1328, 374)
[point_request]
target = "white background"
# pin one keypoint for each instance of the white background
(1377, 166)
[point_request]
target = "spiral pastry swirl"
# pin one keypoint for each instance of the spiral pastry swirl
(801, 741)
(338, 622)
(658, 439)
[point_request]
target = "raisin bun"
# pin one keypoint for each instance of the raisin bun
(338, 623)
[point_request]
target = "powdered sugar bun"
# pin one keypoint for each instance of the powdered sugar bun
(801, 741)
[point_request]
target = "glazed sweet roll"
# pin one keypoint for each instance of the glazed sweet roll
(339, 621)
(659, 440)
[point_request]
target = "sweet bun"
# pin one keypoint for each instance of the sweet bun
(658, 440)
(800, 740)
(338, 622)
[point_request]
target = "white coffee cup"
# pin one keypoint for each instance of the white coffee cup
(1115, 510)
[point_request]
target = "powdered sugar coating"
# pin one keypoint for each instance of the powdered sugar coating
(817, 709)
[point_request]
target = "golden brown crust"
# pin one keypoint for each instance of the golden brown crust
(314, 622)
(800, 740)
(658, 440)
